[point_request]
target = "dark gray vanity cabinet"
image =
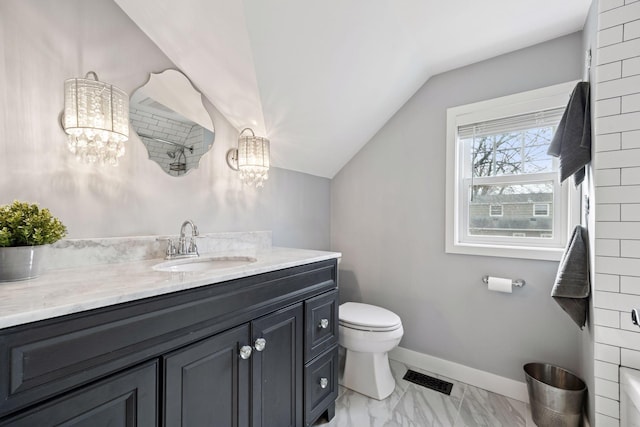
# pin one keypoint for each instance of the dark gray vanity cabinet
(260, 351)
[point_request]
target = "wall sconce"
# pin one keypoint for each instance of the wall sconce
(96, 119)
(251, 158)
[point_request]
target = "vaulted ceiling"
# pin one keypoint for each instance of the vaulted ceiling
(319, 79)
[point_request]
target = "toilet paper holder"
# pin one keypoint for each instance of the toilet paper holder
(516, 282)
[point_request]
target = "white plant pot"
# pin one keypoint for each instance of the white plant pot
(21, 262)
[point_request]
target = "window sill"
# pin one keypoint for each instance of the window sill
(522, 252)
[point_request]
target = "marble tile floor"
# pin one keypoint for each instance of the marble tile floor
(411, 405)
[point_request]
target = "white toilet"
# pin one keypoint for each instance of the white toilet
(368, 332)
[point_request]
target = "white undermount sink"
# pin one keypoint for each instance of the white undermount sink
(202, 264)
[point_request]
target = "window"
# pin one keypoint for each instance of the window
(504, 196)
(495, 210)
(541, 209)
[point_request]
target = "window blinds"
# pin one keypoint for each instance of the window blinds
(512, 124)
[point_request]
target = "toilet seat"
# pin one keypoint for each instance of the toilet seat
(369, 328)
(366, 317)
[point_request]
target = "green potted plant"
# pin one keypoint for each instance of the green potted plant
(25, 233)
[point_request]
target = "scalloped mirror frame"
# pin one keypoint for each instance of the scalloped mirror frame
(168, 115)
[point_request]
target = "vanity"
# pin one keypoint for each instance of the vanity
(123, 344)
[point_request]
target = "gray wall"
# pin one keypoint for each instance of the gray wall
(44, 42)
(388, 219)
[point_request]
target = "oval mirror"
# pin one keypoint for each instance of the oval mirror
(168, 115)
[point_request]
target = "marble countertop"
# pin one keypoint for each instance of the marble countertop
(65, 291)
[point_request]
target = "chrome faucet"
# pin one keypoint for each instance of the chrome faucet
(183, 250)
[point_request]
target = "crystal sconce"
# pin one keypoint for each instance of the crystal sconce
(251, 158)
(96, 119)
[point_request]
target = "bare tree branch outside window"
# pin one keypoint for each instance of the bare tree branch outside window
(510, 153)
(503, 155)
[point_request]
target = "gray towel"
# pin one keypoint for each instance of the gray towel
(572, 141)
(571, 288)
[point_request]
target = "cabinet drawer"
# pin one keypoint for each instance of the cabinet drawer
(321, 320)
(321, 385)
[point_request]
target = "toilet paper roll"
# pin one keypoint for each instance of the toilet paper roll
(500, 284)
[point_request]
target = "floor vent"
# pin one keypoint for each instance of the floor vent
(428, 382)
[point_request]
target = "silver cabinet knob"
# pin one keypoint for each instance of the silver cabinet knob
(245, 351)
(260, 344)
(324, 323)
(324, 382)
(635, 317)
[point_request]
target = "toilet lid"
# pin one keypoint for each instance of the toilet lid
(366, 316)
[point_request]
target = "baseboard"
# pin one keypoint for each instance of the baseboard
(475, 377)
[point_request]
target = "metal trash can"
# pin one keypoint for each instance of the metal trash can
(556, 395)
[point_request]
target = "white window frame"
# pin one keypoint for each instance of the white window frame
(566, 196)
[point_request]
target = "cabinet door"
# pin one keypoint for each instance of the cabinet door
(207, 383)
(128, 399)
(277, 369)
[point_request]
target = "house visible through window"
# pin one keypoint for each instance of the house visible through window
(506, 189)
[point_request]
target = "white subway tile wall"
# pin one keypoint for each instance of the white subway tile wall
(632, 30)
(630, 248)
(631, 103)
(612, 195)
(610, 212)
(607, 353)
(608, 177)
(630, 176)
(604, 421)
(616, 159)
(608, 318)
(609, 142)
(630, 285)
(620, 122)
(608, 247)
(630, 140)
(630, 358)
(618, 15)
(165, 128)
(610, 4)
(607, 406)
(616, 52)
(609, 389)
(617, 196)
(608, 107)
(630, 67)
(610, 36)
(610, 71)
(606, 371)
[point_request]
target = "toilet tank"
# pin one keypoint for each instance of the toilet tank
(629, 397)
